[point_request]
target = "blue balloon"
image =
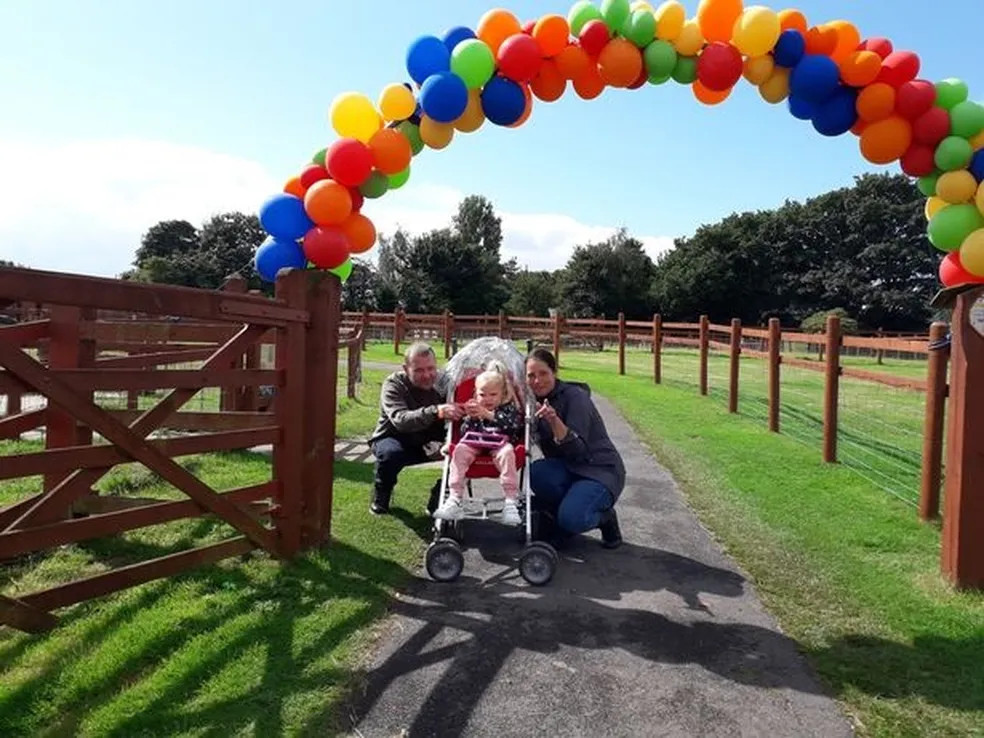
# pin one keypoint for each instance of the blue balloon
(284, 218)
(838, 114)
(977, 166)
(800, 108)
(456, 35)
(427, 55)
(815, 78)
(444, 97)
(503, 101)
(274, 255)
(790, 48)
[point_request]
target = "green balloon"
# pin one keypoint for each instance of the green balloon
(927, 184)
(685, 71)
(659, 79)
(951, 225)
(950, 92)
(582, 12)
(615, 12)
(343, 271)
(660, 58)
(474, 62)
(396, 181)
(412, 132)
(966, 119)
(319, 157)
(953, 153)
(640, 28)
(375, 186)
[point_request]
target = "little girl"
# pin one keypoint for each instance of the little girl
(493, 409)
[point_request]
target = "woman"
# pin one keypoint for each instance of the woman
(582, 474)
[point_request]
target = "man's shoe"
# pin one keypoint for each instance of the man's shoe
(611, 535)
(435, 498)
(380, 504)
(376, 509)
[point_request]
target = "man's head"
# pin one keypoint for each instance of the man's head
(420, 364)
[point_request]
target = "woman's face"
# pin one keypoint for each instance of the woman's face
(539, 377)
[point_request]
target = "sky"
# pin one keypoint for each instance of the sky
(115, 114)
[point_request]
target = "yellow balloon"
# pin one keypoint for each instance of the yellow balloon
(972, 253)
(758, 69)
(933, 206)
(473, 117)
(979, 199)
(396, 102)
(756, 31)
(353, 116)
(690, 40)
(978, 141)
(434, 134)
(670, 17)
(956, 187)
(776, 88)
(641, 5)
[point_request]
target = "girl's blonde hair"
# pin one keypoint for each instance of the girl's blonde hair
(495, 371)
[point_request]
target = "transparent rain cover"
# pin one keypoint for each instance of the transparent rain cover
(476, 355)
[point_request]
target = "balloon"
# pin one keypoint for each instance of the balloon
(759, 68)
(690, 39)
(528, 27)
(572, 61)
(519, 58)
(898, 68)
(328, 203)
(375, 187)
(860, 68)
(474, 62)
(412, 134)
(353, 116)
(793, 20)
(977, 141)
(496, 26)
(274, 255)
(349, 161)
(620, 63)
(837, 114)
(580, 14)
(357, 199)
(503, 101)
(326, 247)
(436, 135)
(957, 187)
(641, 79)
(319, 157)
(456, 36)
(951, 91)
(951, 225)
(881, 46)
(473, 117)
(719, 67)
(391, 152)
(344, 271)
(815, 78)
(396, 102)
(527, 108)
(594, 37)
(717, 18)
(976, 166)
(549, 84)
(615, 13)
(953, 153)
(283, 217)
(927, 184)
(979, 198)
(444, 96)
(360, 232)
(670, 17)
(952, 272)
(876, 102)
(776, 89)
(800, 108)
(858, 128)
(933, 206)
(966, 119)
(821, 41)
(311, 174)
(884, 141)
(660, 59)
(589, 85)
(427, 55)
(756, 31)
(396, 181)
(685, 71)
(708, 96)
(551, 33)
(640, 28)
(790, 48)
(848, 39)
(294, 187)
(915, 98)
(918, 161)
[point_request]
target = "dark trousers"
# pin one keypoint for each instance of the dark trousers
(392, 457)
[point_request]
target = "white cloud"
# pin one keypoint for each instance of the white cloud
(83, 206)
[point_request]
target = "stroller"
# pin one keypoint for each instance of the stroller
(444, 559)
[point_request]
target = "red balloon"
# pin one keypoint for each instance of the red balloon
(919, 160)
(881, 46)
(641, 79)
(313, 173)
(720, 66)
(953, 273)
(931, 127)
(528, 28)
(357, 199)
(349, 162)
(519, 58)
(898, 68)
(915, 98)
(326, 247)
(594, 37)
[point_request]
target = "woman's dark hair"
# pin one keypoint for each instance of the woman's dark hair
(544, 355)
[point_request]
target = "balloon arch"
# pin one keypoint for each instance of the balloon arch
(826, 74)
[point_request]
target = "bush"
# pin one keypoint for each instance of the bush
(817, 323)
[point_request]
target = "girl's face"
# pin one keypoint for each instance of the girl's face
(540, 378)
(489, 395)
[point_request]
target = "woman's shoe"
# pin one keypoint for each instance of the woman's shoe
(611, 535)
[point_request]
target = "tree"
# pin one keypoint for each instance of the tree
(533, 293)
(360, 290)
(817, 323)
(228, 243)
(607, 278)
(477, 223)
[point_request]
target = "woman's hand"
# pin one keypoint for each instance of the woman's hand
(549, 414)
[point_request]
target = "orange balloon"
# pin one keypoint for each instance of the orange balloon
(473, 117)
(589, 84)
(549, 85)
(793, 20)
(391, 152)
(886, 140)
(496, 26)
(710, 97)
(848, 39)
(860, 68)
(572, 61)
(527, 111)
(620, 63)
(360, 231)
(294, 187)
(327, 202)
(821, 40)
(876, 102)
(716, 18)
(552, 33)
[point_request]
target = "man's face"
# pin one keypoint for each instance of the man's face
(422, 371)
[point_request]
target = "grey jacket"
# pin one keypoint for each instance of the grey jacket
(410, 413)
(587, 450)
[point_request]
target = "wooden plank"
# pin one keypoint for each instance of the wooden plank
(906, 383)
(12, 426)
(155, 359)
(24, 617)
(717, 328)
(203, 421)
(813, 366)
(900, 345)
(130, 576)
(140, 347)
(755, 333)
(21, 542)
(25, 334)
(147, 379)
(11, 385)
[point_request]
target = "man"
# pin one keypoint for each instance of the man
(412, 412)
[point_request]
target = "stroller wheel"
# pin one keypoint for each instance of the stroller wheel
(444, 560)
(538, 563)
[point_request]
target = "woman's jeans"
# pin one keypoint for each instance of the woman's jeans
(576, 502)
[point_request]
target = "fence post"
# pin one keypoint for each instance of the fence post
(229, 397)
(397, 329)
(503, 325)
(705, 334)
(734, 365)
(932, 452)
(657, 348)
(365, 327)
(831, 389)
(447, 334)
(621, 344)
(775, 359)
(556, 336)
(880, 353)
